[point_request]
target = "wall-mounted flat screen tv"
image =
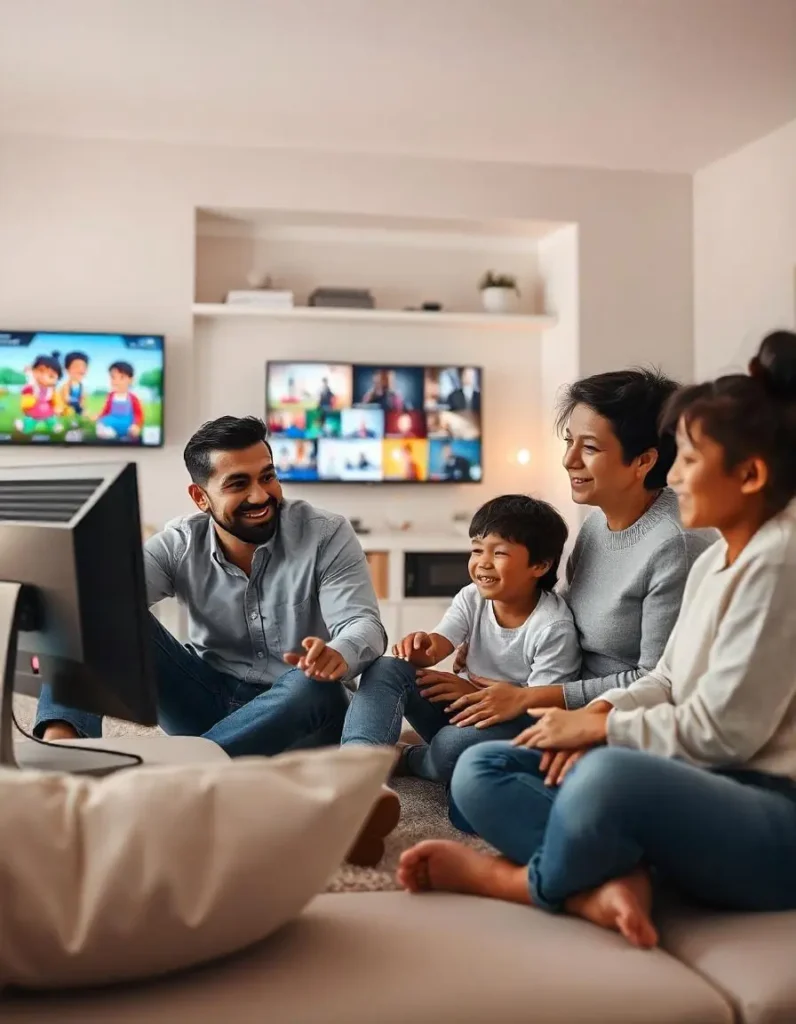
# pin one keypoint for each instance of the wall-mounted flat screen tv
(71, 388)
(337, 422)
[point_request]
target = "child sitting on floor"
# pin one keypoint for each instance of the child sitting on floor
(523, 646)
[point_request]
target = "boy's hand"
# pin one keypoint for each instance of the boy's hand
(439, 687)
(417, 649)
(318, 661)
(489, 705)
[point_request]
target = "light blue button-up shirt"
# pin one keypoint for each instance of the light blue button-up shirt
(310, 579)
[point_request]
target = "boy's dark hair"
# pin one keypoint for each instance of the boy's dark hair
(226, 434)
(52, 362)
(122, 367)
(749, 416)
(72, 357)
(632, 401)
(534, 524)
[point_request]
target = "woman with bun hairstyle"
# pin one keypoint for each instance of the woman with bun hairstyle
(694, 775)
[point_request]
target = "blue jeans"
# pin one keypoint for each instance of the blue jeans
(195, 699)
(387, 693)
(725, 839)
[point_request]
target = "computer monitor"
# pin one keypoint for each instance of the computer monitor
(73, 609)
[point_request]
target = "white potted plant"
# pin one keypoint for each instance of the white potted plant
(499, 293)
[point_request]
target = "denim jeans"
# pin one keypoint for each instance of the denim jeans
(387, 693)
(725, 839)
(195, 699)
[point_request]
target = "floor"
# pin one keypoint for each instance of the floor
(423, 816)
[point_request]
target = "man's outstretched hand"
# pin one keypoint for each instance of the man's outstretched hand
(318, 660)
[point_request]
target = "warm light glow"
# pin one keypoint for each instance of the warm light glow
(523, 456)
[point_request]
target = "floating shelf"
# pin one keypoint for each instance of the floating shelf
(506, 321)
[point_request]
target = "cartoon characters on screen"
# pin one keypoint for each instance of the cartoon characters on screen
(52, 407)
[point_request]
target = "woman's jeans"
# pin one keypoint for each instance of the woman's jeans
(725, 839)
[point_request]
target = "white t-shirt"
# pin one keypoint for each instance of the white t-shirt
(543, 651)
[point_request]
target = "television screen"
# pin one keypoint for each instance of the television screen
(344, 422)
(59, 387)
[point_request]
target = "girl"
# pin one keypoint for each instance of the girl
(696, 778)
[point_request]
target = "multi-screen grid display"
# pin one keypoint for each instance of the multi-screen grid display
(340, 423)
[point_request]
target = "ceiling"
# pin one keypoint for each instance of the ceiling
(659, 85)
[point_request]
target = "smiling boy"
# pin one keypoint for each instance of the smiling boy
(523, 646)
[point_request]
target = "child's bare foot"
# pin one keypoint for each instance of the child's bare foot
(454, 867)
(622, 905)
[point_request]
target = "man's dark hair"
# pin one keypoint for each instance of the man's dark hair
(226, 434)
(632, 401)
(534, 524)
(122, 367)
(72, 357)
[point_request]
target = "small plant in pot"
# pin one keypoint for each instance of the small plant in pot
(499, 293)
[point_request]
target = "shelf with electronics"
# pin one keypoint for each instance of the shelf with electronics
(268, 264)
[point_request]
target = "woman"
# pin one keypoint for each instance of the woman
(697, 776)
(627, 571)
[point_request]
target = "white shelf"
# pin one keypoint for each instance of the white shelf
(506, 321)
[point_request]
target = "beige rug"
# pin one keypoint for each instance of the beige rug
(423, 816)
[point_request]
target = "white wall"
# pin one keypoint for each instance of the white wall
(744, 251)
(100, 235)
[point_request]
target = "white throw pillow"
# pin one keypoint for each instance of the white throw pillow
(154, 869)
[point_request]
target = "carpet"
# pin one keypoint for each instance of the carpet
(424, 815)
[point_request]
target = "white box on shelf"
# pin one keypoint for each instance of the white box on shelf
(266, 297)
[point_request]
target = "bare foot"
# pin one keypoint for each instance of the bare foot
(60, 731)
(622, 905)
(454, 867)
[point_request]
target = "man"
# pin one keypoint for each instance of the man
(265, 581)
(382, 392)
(467, 396)
(455, 467)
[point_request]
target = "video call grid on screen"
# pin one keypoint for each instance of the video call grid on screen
(335, 422)
(81, 388)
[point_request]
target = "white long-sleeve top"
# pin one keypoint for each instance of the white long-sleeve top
(724, 692)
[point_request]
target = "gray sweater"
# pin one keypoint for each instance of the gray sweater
(625, 589)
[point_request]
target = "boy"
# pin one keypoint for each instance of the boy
(523, 646)
(122, 415)
(73, 390)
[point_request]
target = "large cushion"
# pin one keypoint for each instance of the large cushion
(158, 868)
(392, 958)
(751, 958)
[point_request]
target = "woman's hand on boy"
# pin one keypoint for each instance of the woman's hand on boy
(555, 729)
(493, 702)
(439, 687)
(460, 658)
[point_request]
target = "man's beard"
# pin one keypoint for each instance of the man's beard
(246, 530)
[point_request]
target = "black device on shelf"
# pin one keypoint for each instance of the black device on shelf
(73, 608)
(334, 422)
(435, 573)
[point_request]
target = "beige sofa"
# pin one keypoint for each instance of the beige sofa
(391, 958)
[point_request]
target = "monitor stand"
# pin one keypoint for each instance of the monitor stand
(20, 610)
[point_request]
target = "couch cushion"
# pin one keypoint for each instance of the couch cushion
(155, 869)
(749, 957)
(389, 957)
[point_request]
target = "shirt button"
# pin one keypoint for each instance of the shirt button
(253, 616)
(260, 654)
